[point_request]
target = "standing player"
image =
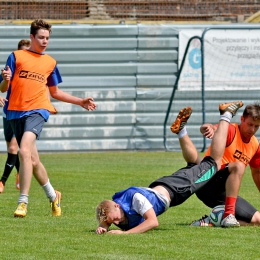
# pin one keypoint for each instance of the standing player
(11, 143)
(29, 108)
(135, 209)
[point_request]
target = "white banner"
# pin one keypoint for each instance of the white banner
(231, 60)
(190, 77)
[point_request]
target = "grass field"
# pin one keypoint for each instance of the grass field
(87, 178)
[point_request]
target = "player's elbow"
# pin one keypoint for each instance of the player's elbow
(155, 223)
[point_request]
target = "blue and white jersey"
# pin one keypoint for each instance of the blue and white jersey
(125, 199)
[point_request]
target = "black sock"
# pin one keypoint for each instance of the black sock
(9, 165)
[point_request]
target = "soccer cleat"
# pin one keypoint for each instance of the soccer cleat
(231, 107)
(181, 120)
(55, 205)
(230, 221)
(2, 187)
(203, 222)
(21, 210)
(17, 181)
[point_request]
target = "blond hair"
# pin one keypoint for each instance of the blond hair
(102, 210)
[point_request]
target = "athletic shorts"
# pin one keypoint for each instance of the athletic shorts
(186, 181)
(31, 123)
(214, 194)
(8, 131)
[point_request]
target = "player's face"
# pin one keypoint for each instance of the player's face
(248, 127)
(40, 41)
(114, 216)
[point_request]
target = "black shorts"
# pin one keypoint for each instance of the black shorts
(8, 131)
(31, 123)
(214, 193)
(186, 181)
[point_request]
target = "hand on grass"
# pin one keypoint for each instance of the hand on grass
(101, 230)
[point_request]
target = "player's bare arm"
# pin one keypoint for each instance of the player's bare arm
(150, 222)
(87, 103)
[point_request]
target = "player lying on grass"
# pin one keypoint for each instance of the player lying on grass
(135, 209)
(242, 146)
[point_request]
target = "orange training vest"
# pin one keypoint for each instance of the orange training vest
(238, 150)
(29, 90)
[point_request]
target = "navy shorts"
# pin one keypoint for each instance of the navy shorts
(186, 181)
(214, 194)
(8, 131)
(31, 123)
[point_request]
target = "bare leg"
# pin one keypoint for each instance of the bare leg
(234, 179)
(219, 140)
(31, 164)
(189, 151)
(39, 170)
(25, 154)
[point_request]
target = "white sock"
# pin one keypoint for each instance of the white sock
(226, 116)
(182, 133)
(49, 191)
(23, 198)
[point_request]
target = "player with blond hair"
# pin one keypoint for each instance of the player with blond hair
(135, 209)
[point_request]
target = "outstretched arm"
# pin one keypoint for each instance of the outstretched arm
(87, 103)
(150, 222)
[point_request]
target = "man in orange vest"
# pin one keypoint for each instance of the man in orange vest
(242, 147)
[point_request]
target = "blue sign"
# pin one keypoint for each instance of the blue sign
(194, 58)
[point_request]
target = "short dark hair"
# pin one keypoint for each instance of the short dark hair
(253, 111)
(22, 43)
(39, 24)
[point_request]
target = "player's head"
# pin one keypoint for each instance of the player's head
(252, 110)
(39, 24)
(250, 120)
(39, 35)
(109, 212)
(24, 44)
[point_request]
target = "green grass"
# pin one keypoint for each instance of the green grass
(87, 178)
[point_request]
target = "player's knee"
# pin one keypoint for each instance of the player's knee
(256, 218)
(237, 168)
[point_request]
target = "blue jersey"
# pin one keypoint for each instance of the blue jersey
(124, 199)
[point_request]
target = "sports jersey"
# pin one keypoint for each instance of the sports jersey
(31, 73)
(237, 150)
(124, 199)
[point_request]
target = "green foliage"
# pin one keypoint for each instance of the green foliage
(87, 178)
